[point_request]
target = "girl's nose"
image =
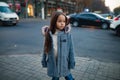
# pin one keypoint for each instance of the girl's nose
(62, 23)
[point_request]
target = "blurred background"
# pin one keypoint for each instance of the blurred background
(44, 8)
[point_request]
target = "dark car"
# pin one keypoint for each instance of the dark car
(90, 19)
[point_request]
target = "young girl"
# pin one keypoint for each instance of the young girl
(58, 54)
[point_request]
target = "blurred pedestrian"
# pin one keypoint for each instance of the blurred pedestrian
(58, 56)
(18, 12)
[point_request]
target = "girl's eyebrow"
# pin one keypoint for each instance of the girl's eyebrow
(61, 20)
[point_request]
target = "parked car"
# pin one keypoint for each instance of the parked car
(115, 25)
(6, 15)
(70, 15)
(90, 19)
(107, 16)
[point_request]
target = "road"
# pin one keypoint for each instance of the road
(26, 38)
(99, 44)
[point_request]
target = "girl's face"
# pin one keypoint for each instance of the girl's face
(61, 21)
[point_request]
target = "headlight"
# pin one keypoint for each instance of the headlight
(5, 19)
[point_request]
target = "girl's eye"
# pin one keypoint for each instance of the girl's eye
(61, 21)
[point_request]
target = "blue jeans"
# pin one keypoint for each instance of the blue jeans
(69, 77)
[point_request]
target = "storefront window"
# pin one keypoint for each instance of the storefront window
(30, 10)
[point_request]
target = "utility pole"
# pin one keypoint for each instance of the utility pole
(42, 9)
(35, 8)
(13, 1)
(46, 8)
(26, 5)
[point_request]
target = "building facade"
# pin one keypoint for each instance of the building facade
(33, 8)
(66, 6)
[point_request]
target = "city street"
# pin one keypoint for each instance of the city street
(26, 38)
(97, 52)
(96, 46)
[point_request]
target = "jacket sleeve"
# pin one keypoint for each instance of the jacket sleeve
(71, 55)
(44, 55)
(44, 60)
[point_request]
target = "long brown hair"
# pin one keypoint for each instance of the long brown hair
(52, 29)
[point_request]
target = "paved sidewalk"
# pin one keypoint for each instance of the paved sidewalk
(28, 67)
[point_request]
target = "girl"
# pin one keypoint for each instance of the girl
(58, 54)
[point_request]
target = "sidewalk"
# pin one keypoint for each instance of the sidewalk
(28, 67)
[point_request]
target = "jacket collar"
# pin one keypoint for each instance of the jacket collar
(59, 33)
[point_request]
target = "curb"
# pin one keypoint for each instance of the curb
(32, 19)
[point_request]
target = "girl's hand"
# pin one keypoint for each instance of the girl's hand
(45, 29)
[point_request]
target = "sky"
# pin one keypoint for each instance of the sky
(112, 4)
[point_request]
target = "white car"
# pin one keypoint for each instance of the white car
(6, 15)
(115, 25)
